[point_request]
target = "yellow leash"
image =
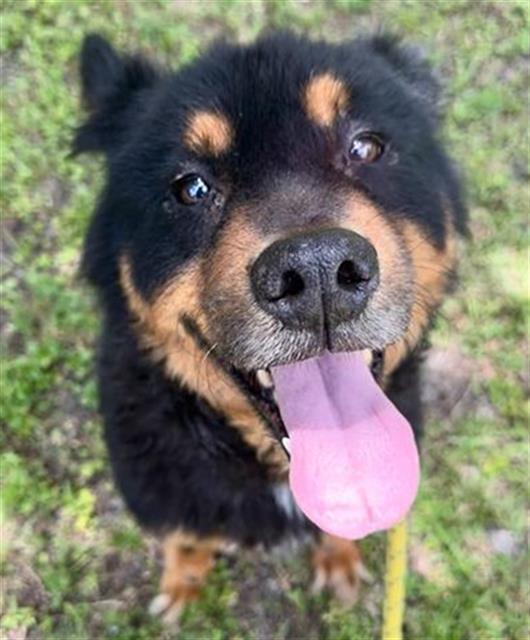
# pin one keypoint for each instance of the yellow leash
(395, 576)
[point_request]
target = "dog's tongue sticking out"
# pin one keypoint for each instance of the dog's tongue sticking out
(354, 463)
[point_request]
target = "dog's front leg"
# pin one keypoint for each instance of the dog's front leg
(338, 568)
(187, 561)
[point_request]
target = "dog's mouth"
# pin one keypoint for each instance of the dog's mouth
(354, 466)
(259, 387)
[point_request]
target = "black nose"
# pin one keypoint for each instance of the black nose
(316, 279)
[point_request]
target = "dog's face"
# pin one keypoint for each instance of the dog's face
(285, 198)
(274, 202)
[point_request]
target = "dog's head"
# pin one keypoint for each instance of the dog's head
(272, 202)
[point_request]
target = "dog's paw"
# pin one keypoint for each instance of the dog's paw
(168, 606)
(338, 568)
(187, 562)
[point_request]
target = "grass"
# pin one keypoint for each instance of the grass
(73, 563)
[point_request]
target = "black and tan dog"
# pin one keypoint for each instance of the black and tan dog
(277, 229)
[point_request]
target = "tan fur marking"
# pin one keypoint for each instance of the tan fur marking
(161, 317)
(432, 267)
(162, 333)
(325, 97)
(209, 133)
(338, 566)
(364, 218)
(236, 248)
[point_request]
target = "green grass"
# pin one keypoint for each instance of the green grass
(74, 565)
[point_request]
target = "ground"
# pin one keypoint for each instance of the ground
(73, 563)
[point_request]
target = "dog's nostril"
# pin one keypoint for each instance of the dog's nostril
(350, 275)
(292, 284)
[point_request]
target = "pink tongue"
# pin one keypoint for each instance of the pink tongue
(354, 463)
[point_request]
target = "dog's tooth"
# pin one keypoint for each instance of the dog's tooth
(264, 378)
(286, 442)
(367, 356)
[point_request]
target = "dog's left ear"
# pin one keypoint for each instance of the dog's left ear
(412, 67)
(110, 83)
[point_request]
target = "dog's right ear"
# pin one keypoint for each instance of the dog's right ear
(102, 72)
(109, 83)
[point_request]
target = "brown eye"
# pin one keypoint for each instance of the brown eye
(366, 148)
(190, 189)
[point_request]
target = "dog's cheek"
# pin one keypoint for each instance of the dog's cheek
(226, 294)
(160, 316)
(158, 322)
(392, 299)
(364, 218)
(161, 330)
(433, 271)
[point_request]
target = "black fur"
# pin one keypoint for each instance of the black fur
(176, 461)
(110, 87)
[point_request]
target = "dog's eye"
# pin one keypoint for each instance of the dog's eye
(366, 148)
(190, 189)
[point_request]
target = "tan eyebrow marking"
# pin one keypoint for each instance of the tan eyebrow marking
(325, 97)
(208, 132)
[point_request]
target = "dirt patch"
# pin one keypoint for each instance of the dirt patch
(266, 606)
(448, 391)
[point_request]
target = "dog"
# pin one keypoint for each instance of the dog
(277, 230)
